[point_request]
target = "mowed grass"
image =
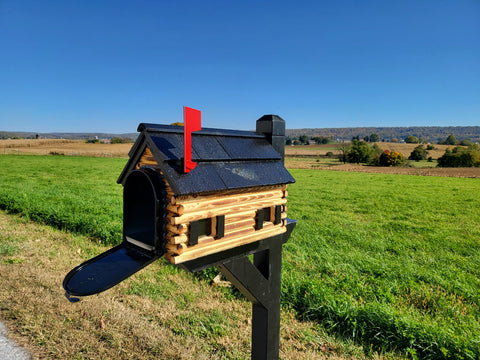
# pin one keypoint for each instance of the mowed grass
(390, 261)
(77, 194)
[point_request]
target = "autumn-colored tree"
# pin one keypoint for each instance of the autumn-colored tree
(391, 158)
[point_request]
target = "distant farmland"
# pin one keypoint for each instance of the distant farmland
(63, 147)
(297, 157)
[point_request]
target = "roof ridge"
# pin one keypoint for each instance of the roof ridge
(157, 128)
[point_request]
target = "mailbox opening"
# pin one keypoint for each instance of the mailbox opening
(143, 210)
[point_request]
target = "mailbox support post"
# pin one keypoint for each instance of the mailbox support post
(260, 282)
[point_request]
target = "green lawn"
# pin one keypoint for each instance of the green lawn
(391, 261)
(77, 194)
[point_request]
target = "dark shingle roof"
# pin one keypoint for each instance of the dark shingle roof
(226, 159)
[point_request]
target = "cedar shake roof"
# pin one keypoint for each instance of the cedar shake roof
(226, 159)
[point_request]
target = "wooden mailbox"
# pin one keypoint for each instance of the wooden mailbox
(231, 203)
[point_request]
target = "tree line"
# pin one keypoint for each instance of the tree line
(432, 134)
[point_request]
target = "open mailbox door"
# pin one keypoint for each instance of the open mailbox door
(143, 238)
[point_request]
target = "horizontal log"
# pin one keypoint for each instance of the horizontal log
(236, 233)
(240, 216)
(231, 228)
(175, 249)
(214, 247)
(188, 198)
(189, 217)
(243, 223)
(216, 201)
(177, 239)
(177, 229)
(176, 209)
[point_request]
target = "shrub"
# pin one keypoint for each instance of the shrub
(118, 140)
(375, 156)
(391, 158)
(460, 157)
(419, 153)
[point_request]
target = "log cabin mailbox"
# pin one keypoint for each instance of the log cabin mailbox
(227, 202)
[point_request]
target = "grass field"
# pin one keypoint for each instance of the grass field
(389, 261)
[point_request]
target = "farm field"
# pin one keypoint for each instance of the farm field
(391, 262)
(63, 147)
(81, 148)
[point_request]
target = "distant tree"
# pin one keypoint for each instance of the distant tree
(450, 140)
(288, 141)
(395, 140)
(359, 152)
(419, 153)
(356, 138)
(374, 137)
(366, 138)
(430, 147)
(116, 140)
(321, 139)
(343, 149)
(177, 123)
(411, 139)
(466, 142)
(304, 139)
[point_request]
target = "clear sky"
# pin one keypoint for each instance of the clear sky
(105, 66)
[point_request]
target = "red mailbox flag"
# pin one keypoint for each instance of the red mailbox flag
(192, 122)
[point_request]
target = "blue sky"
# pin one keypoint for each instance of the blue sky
(105, 66)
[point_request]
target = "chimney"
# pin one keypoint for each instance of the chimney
(273, 127)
